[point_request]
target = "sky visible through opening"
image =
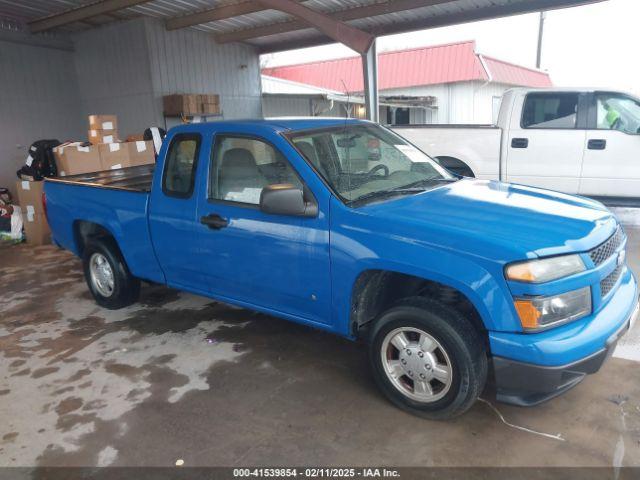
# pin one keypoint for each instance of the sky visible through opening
(589, 46)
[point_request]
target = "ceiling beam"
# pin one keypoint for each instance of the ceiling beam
(487, 13)
(382, 8)
(335, 29)
(213, 14)
(78, 14)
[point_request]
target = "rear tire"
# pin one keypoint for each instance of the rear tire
(427, 358)
(108, 276)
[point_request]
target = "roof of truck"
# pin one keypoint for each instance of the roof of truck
(279, 123)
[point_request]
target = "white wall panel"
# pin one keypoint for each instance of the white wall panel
(186, 61)
(38, 99)
(286, 106)
(464, 102)
(114, 75)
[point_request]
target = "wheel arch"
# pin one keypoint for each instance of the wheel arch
(456, 165)
(376, 290)
(84, 230)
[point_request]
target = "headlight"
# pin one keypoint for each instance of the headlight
(537, 313)
(545, 269)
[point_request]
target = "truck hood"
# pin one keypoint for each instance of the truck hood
(497, 220)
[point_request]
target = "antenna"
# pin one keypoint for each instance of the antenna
(346, 90)
(348, 152)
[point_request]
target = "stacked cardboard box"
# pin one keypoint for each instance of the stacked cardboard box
(191, 104)
(106, 151)
(210, 104)
(126, 154)
(103, 129)
(76, 158)
(34, 220)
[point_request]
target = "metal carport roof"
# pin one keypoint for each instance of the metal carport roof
(267, 29)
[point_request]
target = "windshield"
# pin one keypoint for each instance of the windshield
(365, 161)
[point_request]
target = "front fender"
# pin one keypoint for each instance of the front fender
(357, 250)
(473, 277)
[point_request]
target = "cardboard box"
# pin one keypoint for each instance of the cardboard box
(36, 228)
(73, 159)
(126, 154)
(102, 136)
(213, 99)
(30, 196)
(108, 123)
(141, 153)
(114, 155)
(182, 104)
(210, 109)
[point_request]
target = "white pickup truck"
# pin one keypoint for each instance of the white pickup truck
(571, 140)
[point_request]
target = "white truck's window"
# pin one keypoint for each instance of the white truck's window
(180, 165)
(550, 110)
(242, 167)
(617, 112)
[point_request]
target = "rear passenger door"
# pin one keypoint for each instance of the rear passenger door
(275, 262)
(547, 140)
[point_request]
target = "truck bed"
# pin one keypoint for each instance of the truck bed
(133, 179)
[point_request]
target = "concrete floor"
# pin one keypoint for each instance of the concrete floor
(182, 377)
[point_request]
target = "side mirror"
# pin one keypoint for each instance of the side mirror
(285, 199)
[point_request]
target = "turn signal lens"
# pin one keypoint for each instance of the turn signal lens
(528, 314)
(537, 313)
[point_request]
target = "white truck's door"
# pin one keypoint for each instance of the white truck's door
(611, 165)
(545, 146)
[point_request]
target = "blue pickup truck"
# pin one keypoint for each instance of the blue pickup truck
(345, 226)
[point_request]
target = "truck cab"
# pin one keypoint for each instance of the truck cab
(577, 141)
(561, 139)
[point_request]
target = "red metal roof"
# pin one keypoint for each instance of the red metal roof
(505, 72)
(454, 62)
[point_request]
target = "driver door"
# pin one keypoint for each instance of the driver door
(274, 262)
(611, 164)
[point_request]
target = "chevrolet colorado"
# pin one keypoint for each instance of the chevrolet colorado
(345, 226)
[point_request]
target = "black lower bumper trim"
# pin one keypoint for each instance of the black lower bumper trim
(525, 384)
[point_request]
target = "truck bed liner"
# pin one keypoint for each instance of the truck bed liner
(135, 179)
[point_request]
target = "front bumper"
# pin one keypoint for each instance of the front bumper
(526, 384)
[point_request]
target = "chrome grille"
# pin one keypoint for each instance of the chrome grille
(604, 251)
(610, 281)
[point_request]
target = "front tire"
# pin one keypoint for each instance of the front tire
(107, 275)
(427, 358)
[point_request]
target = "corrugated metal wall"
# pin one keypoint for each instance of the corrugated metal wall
(114, 75)
(38, 99)
(186, 61)
(126, 68)
(286, 106)
(463, 102)
(123, 69)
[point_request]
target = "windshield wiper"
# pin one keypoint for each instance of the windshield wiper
(401, 190)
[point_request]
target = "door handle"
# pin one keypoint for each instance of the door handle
(519, 142)
(214, 221)
(596, 144)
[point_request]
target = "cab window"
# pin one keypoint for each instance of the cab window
(180, 165)
(550, 110)
(242, 167)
